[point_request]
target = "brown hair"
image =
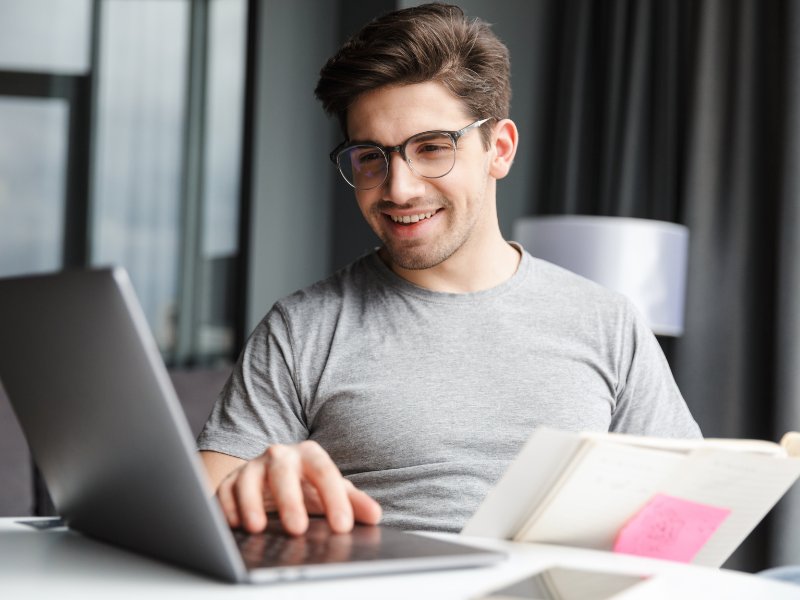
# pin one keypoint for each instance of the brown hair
(431, 42)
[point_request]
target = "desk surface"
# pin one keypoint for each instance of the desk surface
(65, 565)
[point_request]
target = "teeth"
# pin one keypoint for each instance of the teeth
(413, 218)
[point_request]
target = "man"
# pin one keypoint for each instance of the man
(409, 380)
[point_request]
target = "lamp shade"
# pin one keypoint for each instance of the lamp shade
(645, 260)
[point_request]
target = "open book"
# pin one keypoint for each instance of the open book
(583, 489)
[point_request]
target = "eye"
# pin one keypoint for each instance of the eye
(432, 148)
(367, 157)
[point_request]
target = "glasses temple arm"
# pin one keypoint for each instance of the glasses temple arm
(468, 128)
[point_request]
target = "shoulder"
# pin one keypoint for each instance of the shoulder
(573, 292)
(325, 299)
(308, 319)
(300, 328)
(579, 311)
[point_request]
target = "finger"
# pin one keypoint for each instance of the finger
(283, 477)
(269, 501)
(226, 500)
(365, 509)
(322, 473)
(311, 498)
(248, 492)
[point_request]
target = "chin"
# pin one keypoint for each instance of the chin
(418, 259)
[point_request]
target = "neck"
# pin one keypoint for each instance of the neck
(484, 261)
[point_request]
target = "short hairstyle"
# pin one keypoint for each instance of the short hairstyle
(431, 42)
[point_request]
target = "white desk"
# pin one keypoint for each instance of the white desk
(64, 565)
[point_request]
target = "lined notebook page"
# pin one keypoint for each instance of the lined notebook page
(748, 484)
(686, 446)
(601, 494)
(525, 484)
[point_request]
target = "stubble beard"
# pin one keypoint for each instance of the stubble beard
(416, 256)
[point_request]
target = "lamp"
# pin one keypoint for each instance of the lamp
(644, 259)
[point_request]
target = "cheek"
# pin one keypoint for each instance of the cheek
(468, 179)
(364, 201)
(462, 190)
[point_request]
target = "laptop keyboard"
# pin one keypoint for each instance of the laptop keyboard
(276, 548)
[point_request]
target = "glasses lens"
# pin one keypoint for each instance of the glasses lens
(431, 154)
(364, 167)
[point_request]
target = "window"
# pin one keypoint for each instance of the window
(122, 130)
(44, 108)
(33, 164)
(140, 120)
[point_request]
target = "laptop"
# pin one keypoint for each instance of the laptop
(103, 422)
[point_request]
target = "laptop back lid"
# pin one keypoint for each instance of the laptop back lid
(103, 422)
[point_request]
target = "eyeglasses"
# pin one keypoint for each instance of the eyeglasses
(431, 154)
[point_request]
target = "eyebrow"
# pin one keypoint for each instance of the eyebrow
(425, 138)
(364, 142)
(429, 136)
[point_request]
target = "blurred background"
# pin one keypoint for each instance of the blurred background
(181, 140)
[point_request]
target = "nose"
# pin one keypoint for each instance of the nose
(402, 184)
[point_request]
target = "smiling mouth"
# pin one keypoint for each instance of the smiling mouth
(409, 219)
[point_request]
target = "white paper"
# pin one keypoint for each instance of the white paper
(748, 484)
(609, 486)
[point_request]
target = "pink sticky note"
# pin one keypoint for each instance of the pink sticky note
(670, 528)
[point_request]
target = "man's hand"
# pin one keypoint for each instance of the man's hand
(297, 481)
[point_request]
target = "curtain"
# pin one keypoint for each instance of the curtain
(786, 524)
(684, 111)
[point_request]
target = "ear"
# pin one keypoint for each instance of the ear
(505, 138)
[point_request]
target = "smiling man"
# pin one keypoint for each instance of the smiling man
(402, 386)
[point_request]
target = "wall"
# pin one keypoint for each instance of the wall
(290, 233)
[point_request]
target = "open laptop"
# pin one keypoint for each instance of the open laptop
(104, 424)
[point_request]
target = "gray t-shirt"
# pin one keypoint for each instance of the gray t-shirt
(423, 398)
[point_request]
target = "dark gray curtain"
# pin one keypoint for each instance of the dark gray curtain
(680, 110)
(786, 524)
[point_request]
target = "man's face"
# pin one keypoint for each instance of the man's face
(389, 116)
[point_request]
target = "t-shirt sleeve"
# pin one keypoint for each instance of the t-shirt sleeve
(649, 402)
(260, 404)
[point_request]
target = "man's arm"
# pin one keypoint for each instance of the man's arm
(650, 402)
(219, 466)
(296, 480)
(260, 404)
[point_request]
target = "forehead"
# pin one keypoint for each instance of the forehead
(390, 115)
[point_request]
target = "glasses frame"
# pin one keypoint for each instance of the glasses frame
(401, 149)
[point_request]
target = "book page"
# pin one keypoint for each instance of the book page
(524, 484)
(597, 497)
(687, 446)
(748, 484)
